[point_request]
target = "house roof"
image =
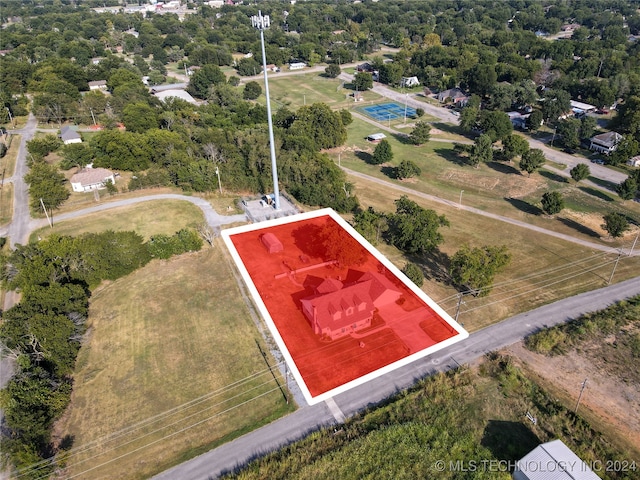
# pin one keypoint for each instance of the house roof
(68, 133)
(181, 94)
(351, 296)
(98, 83)
(559, 462)
(91, 176)
(608, 139)
(379, 284)
(376, 136)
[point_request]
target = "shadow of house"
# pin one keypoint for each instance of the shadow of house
(507, 440)
(523, 206)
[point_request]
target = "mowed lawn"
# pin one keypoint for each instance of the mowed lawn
(169, 368)
(498, 187)
(294, 91)
(146, 218)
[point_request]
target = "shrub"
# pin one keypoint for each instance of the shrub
(414, 273)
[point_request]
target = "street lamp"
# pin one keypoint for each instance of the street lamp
(219, 184)
(261, 23)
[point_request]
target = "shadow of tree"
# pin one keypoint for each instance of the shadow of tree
(552, 176)
(449, 128)
(597, 193)
(402, 138)
(579, 227)
(604, 183)
(391, 172)
(506, 168)
(451, 156)
(507, 440)
(434, 266)
(364, 156)
(523, 206)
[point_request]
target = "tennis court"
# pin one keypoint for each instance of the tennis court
(388, 111)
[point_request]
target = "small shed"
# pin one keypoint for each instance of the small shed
(271, 243)
(634, 161)
(69, 135)
(376, 137)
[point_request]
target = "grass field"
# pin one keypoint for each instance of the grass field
(145, 218)
(169, 368)
(497, 187)
(294, 91)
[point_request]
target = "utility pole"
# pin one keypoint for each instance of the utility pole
(261, 23)
(614, 266)
(460, 201)
(630, 251)
(460, 302)
(13, 125)
(219, 184)
(46, 213)
(93, 116)
(584, 385)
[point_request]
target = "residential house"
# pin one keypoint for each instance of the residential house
(605, 142)
(518, 120)
(553, 460)
(634, 161)
(98, 85)
(176, 93)
(455, 95)
(90, 178)
(69, 135)
(297, 65)
(336, 310)
(272, 68)
(409, 82)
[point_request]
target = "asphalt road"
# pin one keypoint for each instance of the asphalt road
(309, 418)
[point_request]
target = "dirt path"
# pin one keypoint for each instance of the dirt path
(611, 400)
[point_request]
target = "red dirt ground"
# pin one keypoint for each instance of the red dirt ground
(398, 330)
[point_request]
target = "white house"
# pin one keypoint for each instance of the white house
(297, 65)
(605, 142)
(69, 135)
(376, 137)
(634, 161)
(89, 179)
(98, 85)
(409, 82)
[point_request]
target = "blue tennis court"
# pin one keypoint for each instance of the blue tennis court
(388, 111)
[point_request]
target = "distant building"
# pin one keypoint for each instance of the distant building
(634, 161)
(89, 179)
(409, 82)
(605, 142)
(297, 65)
(457, 96)
(553, 461)
(176, 93)
(98, 85)
(69, 135)
(376, 137)
(518, 120)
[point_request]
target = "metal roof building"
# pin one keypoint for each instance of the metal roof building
(553, 461)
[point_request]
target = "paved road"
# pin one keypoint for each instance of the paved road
(309, 418)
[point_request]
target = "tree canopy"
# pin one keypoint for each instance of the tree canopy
(475, 268)
(413, 229)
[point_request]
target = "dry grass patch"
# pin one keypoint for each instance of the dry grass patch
(154, 383)
(543, 269)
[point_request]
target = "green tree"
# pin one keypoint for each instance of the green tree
(627, 189)
(333, 70)
(534, 120)
(370, 224)
(481, 150)
(407, 169)
(568, 130)
(247, 67)
(495, 124)
(363, 81)
(615, 224)
(532, 160)
(556, 103)
(420, 133)
(481, 78)
(382, 153)
(76, 155)
(46, 183)
(580, 172)
(320, 124)
(588, 126)
(204, 78)
(414, 273)
(347, 118)
(252, 90)
(139, 117)
(513, 146)
(469, 118)
(629, 147)
(476, 268)
(552, 203)
(413, 229)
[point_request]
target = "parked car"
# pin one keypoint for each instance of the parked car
(602, 111)
(570, 151)
(597, 161)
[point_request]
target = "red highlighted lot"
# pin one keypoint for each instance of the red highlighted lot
(338, 309)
